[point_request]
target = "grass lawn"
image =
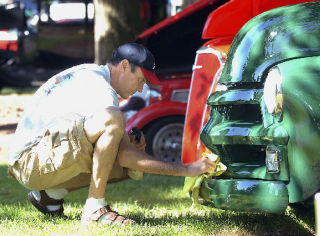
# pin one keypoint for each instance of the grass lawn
(156, 203)
(19, 90)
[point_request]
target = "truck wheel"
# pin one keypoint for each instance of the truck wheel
(164, 138)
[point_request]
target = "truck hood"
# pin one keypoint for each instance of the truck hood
(278, 35)
(193, 8)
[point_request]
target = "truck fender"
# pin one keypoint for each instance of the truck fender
(153, 112)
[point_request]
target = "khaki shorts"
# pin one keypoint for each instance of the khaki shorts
(62, 159)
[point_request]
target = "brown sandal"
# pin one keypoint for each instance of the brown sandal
(45, 201)
(112, 217)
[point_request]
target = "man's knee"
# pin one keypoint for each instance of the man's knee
(114, 118)
(109, 120)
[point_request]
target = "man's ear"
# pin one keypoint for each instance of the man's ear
(125, 64)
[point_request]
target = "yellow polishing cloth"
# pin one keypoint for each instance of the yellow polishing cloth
(192, 184)
(135, 174)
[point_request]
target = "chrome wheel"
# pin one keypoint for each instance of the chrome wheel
(167, 142)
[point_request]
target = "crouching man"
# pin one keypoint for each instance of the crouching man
(72, 135)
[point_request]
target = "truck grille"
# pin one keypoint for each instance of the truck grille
(243, 112)
(239, 153)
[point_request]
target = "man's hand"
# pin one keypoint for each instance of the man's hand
(202, 166)
(140, 142)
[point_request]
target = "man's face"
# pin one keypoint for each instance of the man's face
(132, 81)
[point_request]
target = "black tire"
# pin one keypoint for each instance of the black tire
(164, 138)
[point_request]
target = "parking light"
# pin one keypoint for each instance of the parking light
(272, 161)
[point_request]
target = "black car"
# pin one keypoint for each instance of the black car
(43, 37)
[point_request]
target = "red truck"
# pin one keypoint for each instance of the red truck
(173, 42)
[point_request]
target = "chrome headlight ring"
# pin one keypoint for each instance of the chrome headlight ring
(273, 94)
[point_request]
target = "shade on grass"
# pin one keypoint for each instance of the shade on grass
(156, 203)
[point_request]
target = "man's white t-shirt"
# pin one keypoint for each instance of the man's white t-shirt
(76, 92)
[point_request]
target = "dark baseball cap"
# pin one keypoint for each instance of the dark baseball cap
(139, 56)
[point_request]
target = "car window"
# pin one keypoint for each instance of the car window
(64, 12)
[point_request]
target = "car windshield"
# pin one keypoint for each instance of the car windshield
(70, 11)
(58, 12)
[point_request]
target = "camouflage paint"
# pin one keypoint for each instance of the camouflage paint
(301, 119)
(246, 195)
(240, 129)
(280, 34)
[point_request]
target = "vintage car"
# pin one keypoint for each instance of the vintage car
(218, 32)
(40, 39)
(265, 115)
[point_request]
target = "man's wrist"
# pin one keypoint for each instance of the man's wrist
(185, 169)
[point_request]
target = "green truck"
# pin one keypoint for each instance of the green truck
(264, 120)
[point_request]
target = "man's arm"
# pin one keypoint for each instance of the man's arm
(132, 158)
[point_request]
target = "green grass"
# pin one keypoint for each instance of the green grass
(156, 203)
(18, 90)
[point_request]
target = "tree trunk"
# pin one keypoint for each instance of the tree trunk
(116, 22)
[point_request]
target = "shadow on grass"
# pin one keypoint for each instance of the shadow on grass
(150, 195)
(257, 224)
(144, 192)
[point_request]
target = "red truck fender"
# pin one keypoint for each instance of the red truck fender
(154, 112)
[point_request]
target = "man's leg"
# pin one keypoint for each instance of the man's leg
(105, 131)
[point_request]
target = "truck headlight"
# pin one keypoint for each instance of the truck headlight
(273, 96)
